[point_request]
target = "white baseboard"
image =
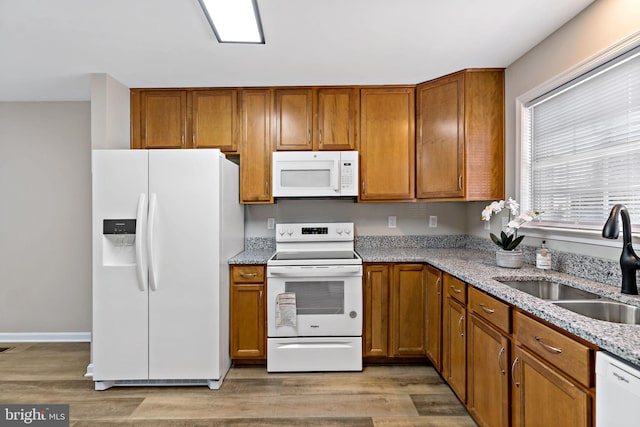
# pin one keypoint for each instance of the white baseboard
(45, 336)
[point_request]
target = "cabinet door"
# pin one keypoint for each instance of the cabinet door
(214, 117)
(487, 379)
(484, 134)
(454, 350)
(163, 118)
(247, 321)
(376, 308)
(440, 145)
(338, 117)
(433, 326)
(543, 397)
(255, 146)
(293, 119)
(408, 310)
(387, 145)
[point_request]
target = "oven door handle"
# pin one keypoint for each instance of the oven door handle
(314, 271)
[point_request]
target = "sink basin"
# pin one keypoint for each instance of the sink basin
(550, 290)
(610, 311)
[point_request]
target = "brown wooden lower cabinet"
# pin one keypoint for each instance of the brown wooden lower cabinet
(433, 327)
(544, 397)
(376, 310)
(394, 310)
(508, 367)
(248, 314)
(454, 350)
(487, 373)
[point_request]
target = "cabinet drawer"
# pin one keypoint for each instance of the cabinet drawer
(456, 288)
(566, 354)
(247, 274)
(490, 309)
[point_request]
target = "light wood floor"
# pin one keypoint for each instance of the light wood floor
(50, 373)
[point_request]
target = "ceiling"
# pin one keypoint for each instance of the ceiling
(48, 49)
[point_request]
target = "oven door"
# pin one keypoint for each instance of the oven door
(328, 300)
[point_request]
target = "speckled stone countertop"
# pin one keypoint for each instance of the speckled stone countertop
(478, 268)
(252, 256)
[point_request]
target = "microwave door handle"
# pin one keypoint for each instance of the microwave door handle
(337, 176)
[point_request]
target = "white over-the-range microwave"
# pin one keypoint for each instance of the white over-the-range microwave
(315, 173)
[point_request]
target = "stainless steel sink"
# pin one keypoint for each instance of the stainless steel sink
(549, 290)
(611, 311)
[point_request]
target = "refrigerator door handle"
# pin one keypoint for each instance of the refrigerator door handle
(141, 219)
(153, 278)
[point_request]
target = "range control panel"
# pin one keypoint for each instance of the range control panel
(335, 231)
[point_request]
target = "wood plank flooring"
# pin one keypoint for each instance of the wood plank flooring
(50, 373)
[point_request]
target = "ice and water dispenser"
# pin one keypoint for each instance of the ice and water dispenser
(118, 242)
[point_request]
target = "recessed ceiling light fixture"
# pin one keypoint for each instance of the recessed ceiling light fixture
(234, 21)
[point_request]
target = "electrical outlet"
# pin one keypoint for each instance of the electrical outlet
(392, 221)
(505, 221)
(271, 223)
(487, 226)
(433, 221)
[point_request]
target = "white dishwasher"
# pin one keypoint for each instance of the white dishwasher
(617, 392)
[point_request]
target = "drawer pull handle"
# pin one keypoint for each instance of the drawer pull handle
(454, 289)
(548, 347)
(502, 371)
(248, 274)
(488, 310)
(513, 372)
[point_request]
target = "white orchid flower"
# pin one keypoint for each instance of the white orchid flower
(513, 206)
(514, 224)
(497, 206)
(526, 216)
(486, 213)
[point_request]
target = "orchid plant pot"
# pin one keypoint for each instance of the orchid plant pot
(509, 259)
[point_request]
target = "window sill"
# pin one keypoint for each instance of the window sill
(585, 236)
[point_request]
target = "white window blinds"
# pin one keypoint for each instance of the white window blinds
(581, 147)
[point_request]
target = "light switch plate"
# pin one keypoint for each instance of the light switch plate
(271, 223)
(392, 221)
(433, 221)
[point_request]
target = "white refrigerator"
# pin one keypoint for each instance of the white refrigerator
(165, 223)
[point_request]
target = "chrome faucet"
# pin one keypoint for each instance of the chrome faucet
(629, 261)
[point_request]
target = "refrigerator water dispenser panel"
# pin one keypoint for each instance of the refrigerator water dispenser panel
(119, 226)
(118, 242)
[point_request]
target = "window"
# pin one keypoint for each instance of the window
(581, 147)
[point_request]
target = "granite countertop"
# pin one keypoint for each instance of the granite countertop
(252, 256)
(478, 268)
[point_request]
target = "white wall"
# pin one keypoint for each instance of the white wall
(45, 217)
(601, 25)
(110, 113)
(369, 218)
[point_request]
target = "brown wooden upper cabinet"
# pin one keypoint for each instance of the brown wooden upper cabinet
(315, 118)
(338, 117)
(460, 136)
(255, 145)
(293, 119)
(214, 118)
(165, 118)
(159, 118)
(387, 144)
